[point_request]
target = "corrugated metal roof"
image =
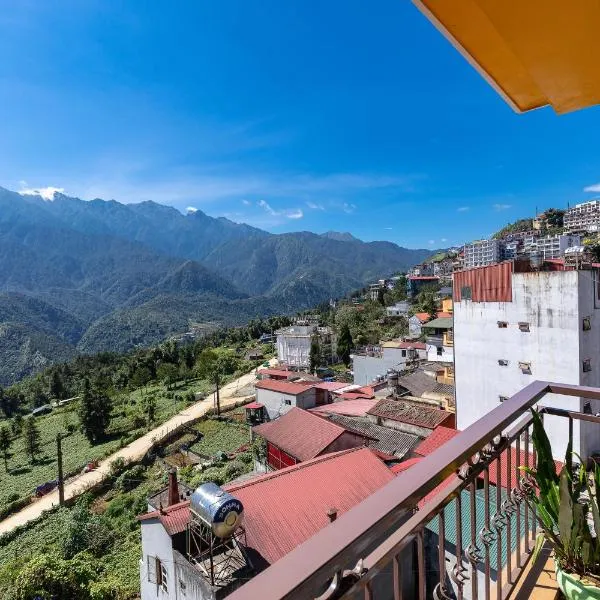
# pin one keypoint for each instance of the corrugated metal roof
(440, 323)
(300, 433)
(404, 465)
(276, 372)
(492, 283)
(438, 437)
(405, 411)
(330, 386)
(351, 408)
(285, 508)
(285, 387)
(418, 383)
(174, 518)
(446, 389)
(389, 441)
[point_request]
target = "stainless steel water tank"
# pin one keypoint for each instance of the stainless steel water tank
(221, 511)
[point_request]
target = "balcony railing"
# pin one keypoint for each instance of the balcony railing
(454, 525)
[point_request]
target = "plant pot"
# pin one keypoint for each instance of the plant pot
(573, 588)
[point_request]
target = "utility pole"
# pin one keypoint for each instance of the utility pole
(61, 483)
(217, 397)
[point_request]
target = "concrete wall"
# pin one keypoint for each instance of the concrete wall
(294, 350)
(446, 356)
(414, 327)
(156, 542)
(367, 368)
(276, 402)
(554, 304)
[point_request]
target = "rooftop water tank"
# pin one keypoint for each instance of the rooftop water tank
(216, 508)
(392, 378)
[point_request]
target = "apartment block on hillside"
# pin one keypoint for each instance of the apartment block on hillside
(583, 217)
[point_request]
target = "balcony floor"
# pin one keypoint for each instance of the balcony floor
(538, 581)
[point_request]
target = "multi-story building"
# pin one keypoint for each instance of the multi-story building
(293, 344)
(554, 246)
(511, 328)
(376, 361)
(440, 339)
(583, 217)
(482, 252)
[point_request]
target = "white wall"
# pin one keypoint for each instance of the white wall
(414, 327)
(275, 402)
(156, 542)
(553, 303)
(293, 350)
(446, 356)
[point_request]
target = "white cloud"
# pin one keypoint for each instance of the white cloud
(431, 242)
(293, 213)
(348, 207)
(463, 208)
(47, 193)
(502, 206)
(246, 202)
(592, 188)
(443, 240)
(388, 228)
(315, 206)
(191, 210)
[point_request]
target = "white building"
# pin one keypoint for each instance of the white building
(583, 217)
(482, 252)
(394, 355)
(554, 246)
(439, 340)
(293, 344)
(400, 309)
(525, 326)
(278, 397)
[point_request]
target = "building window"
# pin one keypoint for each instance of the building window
(587, 323)
(587, 365)
(525, 368)
(502, 324)
(503, 398)
(440, 351)
(503, 362)
(163, 583)
(287, 401)
(403, 353)
(466, 293)
(587, 408)
(524, 327)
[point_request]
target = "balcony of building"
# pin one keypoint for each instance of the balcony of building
(453, 525)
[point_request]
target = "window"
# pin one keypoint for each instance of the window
(466, 293)
(503, 362)
(502, 324)
(287, 401)
(440, 351)
(162, 577)
(525, 368)
(403, 353)
(503, 398)
(587, 323)
(587, 365)
(524, 327)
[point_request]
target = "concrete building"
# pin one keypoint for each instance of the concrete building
(279, 397)
(400, 309)
(439, 339)
(293, 344)
(482, 252)
(367, 366)
(554, 246)
(583, 217)
(512, 327)
(415, 283)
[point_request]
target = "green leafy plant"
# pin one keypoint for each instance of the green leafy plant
(564, 503)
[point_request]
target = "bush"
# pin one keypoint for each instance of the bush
(130, 478)
(117, 466)
(246, 458)
(234, 469)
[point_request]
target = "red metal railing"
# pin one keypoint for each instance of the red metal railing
(471, 538)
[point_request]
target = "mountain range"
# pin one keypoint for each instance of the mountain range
(86, 276)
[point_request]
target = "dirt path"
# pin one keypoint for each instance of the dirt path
(134, 452)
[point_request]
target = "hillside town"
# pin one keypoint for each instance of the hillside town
(326, 438)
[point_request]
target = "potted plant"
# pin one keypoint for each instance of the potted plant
(567, 510)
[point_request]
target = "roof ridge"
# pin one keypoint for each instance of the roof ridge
(294, 468)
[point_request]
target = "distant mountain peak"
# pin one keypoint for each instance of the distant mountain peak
(340, 236)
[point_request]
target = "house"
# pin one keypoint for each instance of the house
(348, 408)
(416, 322)
(300, 435)
(281, 511)
(278, 374)
(294, 342)
(440, 339)
(395, 354)
(278, 397)
(514, 325)
(400, 309)
(410, 416)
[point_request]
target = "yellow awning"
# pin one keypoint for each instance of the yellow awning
(533, 52)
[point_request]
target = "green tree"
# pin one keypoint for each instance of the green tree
(56, 387)
(315, 358)
(428, 304)
(16, 424)
(94, 413)
(149, 405)
(168, 373)
(5, 444)
(31, 438)
(345, 344)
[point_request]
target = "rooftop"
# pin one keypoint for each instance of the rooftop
(414, 413)
(418, 383)
(389, 441)
(404, 345)
(300, 433)
(350, 408)
(284, 387)
(440, 323)
(277, 372)
(438, 437)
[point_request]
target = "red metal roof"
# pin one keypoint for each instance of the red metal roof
(492, 283)
(276, 372)
(285, 508)
(285, 387)
(351, 408)
(254, 405)
(424, 317)
(300, 433)
(330, 386)
(423, 277)
(174, 518)
(405, 464)
(438, 437)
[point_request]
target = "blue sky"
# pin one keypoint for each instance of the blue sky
(297, 115)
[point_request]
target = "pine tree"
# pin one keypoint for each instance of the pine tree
(345, 344)
(31, 438)
(5, 444)
(56, 388)
(314, 357)
(94, 413)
